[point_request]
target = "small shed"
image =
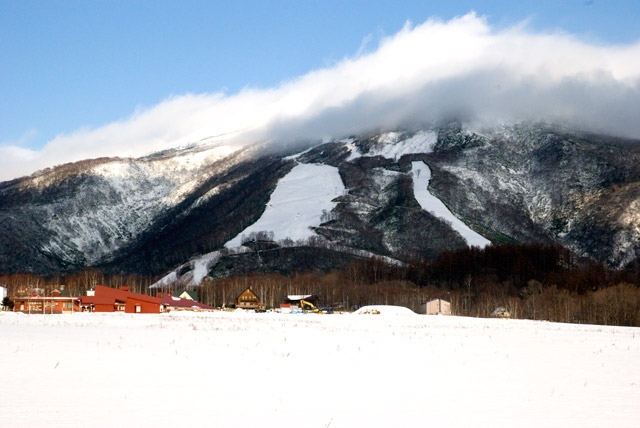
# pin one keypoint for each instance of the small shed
(248, 300)
(438, 307)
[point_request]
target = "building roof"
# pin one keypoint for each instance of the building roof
(298, 297)
(193, 295)
(97, 300)
(123, 294)
(249, 290)
(178, 302)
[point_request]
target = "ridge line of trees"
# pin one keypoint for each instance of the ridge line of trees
(531, 281)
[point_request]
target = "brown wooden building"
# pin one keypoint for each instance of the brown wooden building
(248, 300)
(56, 303)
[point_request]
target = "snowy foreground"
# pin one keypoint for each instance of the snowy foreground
(231, 369)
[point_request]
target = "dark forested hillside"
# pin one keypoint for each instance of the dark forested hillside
(523, 183)
(206, 227)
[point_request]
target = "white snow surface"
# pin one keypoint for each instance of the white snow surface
(392, 145)
(199, 265)
(421, 177)
(297, 203)
(137, 191)
(240, 369)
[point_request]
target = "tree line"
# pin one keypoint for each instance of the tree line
(534, 281)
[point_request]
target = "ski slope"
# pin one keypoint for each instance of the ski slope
(393, 145)
(428, 202)
(297, 203)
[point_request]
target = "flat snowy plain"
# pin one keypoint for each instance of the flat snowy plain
(239, 369)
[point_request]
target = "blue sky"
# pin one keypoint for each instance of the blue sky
(69, 66)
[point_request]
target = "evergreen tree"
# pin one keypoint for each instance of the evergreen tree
(7, 303)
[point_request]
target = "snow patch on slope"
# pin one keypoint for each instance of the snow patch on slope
(98, 220)
(421, 177)
(392, 145)
(198, 269)
(297, 203)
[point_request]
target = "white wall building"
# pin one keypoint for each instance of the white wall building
(438, 307)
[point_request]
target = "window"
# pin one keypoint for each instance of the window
(138, 309)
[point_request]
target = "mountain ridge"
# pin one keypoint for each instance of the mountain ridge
(526, 182)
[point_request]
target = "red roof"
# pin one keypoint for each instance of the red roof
(122, 295)
(97, 300)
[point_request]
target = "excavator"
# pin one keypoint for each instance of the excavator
(308, 306)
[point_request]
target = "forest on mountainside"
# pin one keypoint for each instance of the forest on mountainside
(532, 281)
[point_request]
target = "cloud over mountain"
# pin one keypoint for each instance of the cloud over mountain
(422, 74)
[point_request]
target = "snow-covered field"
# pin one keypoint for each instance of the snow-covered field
(238, 369)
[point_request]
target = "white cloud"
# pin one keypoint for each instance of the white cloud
(421, 74)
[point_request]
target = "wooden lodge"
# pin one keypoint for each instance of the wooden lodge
(248, 300)
(56, 303)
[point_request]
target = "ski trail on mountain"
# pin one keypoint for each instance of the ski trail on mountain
(428, 202)
(297, 203)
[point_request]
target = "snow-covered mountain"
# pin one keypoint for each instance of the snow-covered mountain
(209, 208)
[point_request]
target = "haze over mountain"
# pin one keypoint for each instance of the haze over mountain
(423, 75)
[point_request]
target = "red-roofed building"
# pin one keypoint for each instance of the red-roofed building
(35, 303)
(107, 299)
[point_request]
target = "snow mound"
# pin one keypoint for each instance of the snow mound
(384, 310)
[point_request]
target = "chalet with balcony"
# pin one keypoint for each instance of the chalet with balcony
(248, 300)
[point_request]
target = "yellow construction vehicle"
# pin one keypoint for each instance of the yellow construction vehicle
(304, 305)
